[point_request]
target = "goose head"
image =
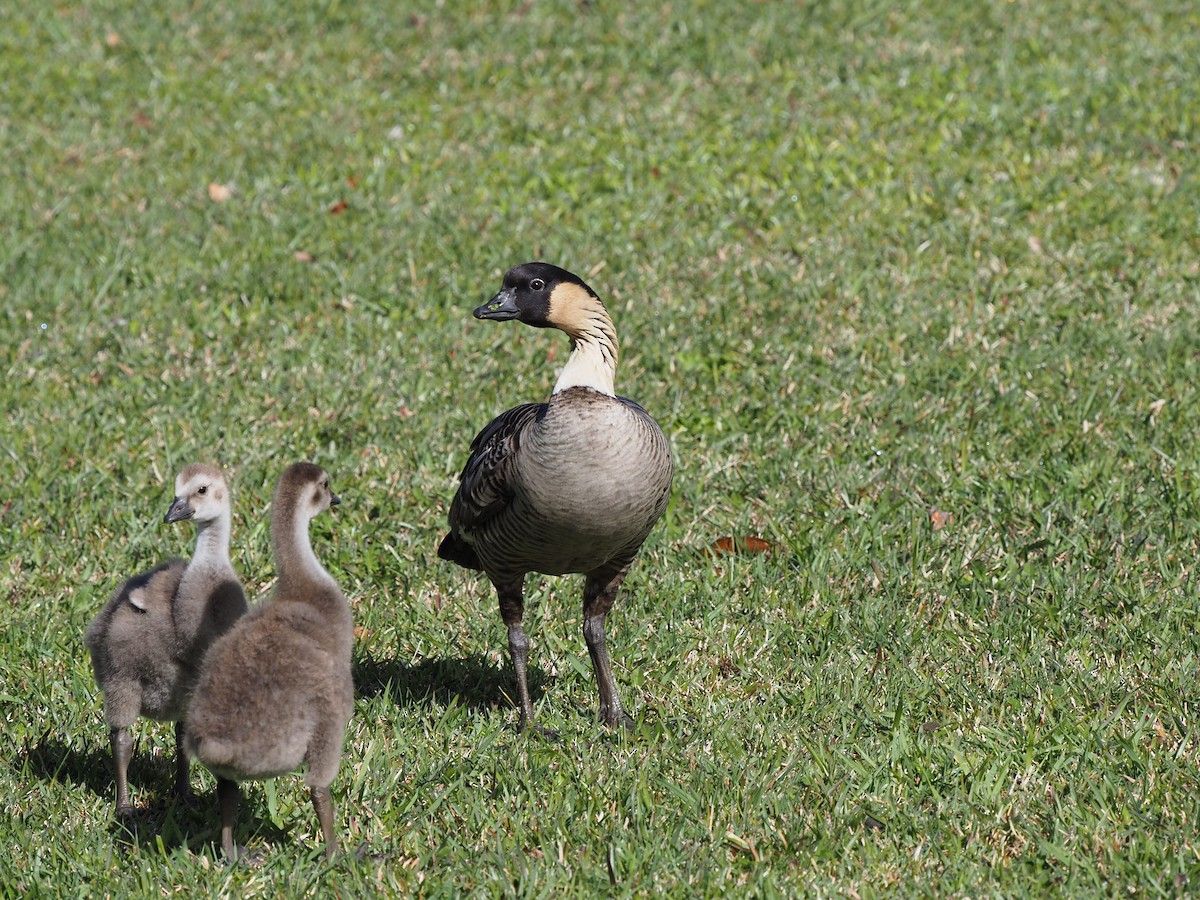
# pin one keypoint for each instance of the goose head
(200, 494)
(543, 296)
(305, 487)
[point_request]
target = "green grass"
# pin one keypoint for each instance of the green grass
(876, 268)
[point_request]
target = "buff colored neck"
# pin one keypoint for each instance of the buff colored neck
(593, 360)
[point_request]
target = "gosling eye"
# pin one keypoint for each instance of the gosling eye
(203, 489)
(537, 284)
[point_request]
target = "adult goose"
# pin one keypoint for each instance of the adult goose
(573, 485)
(149, 640)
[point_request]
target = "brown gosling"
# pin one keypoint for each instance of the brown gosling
(276, 692)
(571, 485)
(149, 640)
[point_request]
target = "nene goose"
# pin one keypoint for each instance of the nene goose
(276, 691)
(148, 641)
(571, 485)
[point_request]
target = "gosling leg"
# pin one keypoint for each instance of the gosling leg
(121, 742)
(322, 802)
(229, 795)
(183, 787)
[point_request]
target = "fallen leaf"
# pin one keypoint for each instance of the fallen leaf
(338, 208)
(352, 181)
(940, 518)
(747, 543)
(218, 193)
(742, 844)
(302, 256)
(112, 39)
(1156, 407)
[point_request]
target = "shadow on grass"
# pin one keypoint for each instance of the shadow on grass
(161, 820)
(471, 682)
(51, 760)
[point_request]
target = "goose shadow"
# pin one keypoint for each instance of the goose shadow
(470, 681)
(161, 819)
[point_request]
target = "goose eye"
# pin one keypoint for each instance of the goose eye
(203, 489)
(537, 284)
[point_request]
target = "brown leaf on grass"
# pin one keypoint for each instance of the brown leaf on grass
(727, 667)
(745, 543)
(302, 256)
(219, 193)
(940, 518)
(338, 208)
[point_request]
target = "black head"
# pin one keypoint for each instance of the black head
(527, 293)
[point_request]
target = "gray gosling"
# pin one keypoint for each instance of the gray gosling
(571, 485)
(276, 692)
(148, 641)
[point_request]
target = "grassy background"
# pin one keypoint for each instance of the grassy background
(912, 287)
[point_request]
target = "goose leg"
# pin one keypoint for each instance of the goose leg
(229, 795)
(323, 803)
(512, 610)
(599, 592)
(183, 787)
(121, 742)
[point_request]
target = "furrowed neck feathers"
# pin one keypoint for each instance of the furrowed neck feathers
(593, 361)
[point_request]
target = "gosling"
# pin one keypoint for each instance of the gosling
(276, 692)
(148, 641)
(571, 485)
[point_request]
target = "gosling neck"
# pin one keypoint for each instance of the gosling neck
(212, 540)
(593, 360)
(295, 560)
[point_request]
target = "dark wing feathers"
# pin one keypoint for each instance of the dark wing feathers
(483, 486)
(635, 406)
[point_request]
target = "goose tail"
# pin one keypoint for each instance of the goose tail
(454, 549)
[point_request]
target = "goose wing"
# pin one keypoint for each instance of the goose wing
(483, 488)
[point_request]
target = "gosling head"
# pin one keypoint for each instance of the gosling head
(306, 485)
(200, 494)
(543, 296)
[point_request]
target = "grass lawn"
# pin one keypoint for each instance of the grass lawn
(913, 288)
